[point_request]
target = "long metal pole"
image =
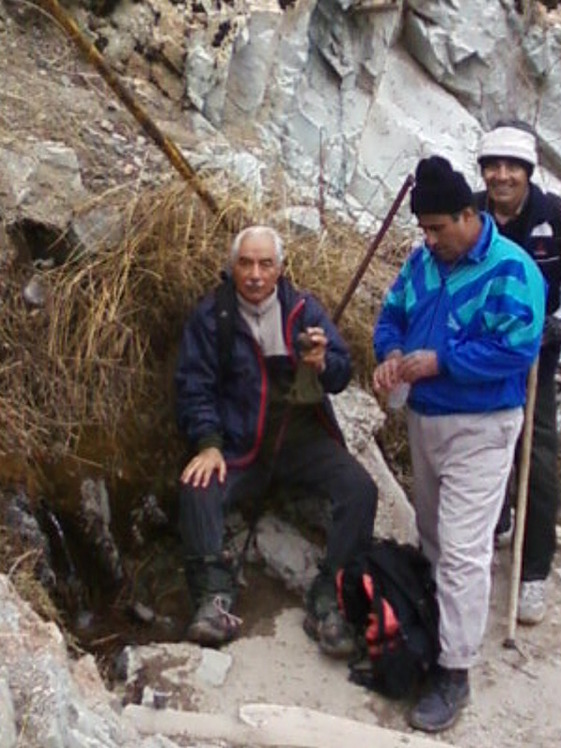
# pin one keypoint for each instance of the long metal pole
(521, 503)
(373, 247)
(174, 155)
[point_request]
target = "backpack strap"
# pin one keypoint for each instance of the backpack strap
(378, 610)
(225, 310)
(386, 563)
(373, 665)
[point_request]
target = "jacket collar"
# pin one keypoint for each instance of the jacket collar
(480, 249)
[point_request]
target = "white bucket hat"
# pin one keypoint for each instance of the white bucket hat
(509, 142)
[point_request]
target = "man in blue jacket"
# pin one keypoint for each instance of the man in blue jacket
(461, 325)
(507, 157)
(266, 419)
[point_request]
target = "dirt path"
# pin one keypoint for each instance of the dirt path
(515, 701)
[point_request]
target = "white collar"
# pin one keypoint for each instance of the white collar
(258, 310)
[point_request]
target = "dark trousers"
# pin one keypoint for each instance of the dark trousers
(323, 466)
(543, 485)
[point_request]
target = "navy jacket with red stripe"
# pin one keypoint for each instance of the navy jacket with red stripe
(234, 407)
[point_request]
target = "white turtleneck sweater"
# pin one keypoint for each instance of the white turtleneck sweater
(265, 323)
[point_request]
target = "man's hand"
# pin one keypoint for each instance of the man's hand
(313, 345)
(199, 470)
(398, 368)
(387, 375)
(418, 365)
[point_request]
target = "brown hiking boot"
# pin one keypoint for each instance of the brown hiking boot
(332, 632)
(213, 623)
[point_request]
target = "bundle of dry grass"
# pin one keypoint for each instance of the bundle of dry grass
(94, 366)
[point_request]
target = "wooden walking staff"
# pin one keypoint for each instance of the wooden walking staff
(521, 504)
(166, 145)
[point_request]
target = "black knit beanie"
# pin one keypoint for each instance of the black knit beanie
(439, 189)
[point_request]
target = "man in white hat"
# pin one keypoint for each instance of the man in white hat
(524, 213)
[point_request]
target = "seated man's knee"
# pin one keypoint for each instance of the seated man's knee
(201, 516)
(196, 495)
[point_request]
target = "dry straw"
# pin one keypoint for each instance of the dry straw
(95, 365)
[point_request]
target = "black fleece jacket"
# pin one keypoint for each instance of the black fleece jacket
(537, 228)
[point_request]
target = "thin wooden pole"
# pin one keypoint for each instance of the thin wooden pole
(321, 191)
(521, 504)
(174, 155)
(409, 181)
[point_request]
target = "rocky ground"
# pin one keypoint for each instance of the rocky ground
(47, 93)
(514, 691)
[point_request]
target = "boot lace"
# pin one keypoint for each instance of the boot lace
(220, 605)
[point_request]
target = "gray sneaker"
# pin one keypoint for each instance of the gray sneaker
(531, 602)
(213, 624)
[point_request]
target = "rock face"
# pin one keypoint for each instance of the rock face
(39, 185)
(347, 92)
(493, 60)
(45, 699)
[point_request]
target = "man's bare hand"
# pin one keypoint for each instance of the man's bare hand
(313, 352)
(199, 470)
(419, 365)
(387, 375)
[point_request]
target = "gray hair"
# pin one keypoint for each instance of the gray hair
(256, 231)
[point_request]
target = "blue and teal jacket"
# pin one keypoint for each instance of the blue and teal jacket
(483, 316)
(231, 412)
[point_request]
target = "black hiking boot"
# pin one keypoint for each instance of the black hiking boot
(440, 708)
(213, 624)
(213, 593)
(333, 633)
(324, 622)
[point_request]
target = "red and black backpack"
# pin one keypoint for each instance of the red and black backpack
(388, 595)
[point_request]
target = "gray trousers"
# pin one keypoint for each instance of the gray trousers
(461, 465)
